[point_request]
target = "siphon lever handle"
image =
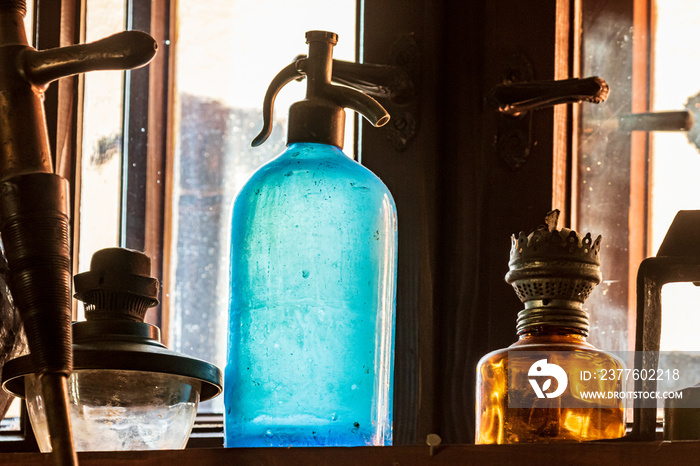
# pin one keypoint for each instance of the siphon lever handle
(320, 74)
(520, 97)
(376, 80)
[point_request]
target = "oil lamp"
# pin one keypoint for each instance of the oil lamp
(552, 271)
(127, 390)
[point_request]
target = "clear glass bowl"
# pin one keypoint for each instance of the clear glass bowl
(121, 410)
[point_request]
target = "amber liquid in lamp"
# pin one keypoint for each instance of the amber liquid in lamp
(546, 420)
(552, 272)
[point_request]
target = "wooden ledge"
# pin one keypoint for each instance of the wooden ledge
(657, 453)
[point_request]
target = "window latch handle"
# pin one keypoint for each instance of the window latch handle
(521, 97)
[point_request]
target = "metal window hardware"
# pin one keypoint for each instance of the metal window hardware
(516, 100)
(518, 95)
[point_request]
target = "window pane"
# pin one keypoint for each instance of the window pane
(100, 192)
(224, 63)
(603, 172)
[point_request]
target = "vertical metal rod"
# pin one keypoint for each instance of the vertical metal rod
(55, 391)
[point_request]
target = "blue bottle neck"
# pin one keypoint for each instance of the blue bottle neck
(310, 150)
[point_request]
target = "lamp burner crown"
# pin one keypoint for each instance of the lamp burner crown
(553, 272)
(546, 243)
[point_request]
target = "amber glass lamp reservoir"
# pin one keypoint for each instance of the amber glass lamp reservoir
(532, 390)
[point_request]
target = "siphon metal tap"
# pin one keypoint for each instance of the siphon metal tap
(34, 201)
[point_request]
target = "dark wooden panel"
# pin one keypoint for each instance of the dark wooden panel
(157, 235)
(482, 200)
(410, 175)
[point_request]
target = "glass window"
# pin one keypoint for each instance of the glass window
(225, 54)
(222, 70)
(603, 174)
(625, 182)
(675, 161)
(101, 164)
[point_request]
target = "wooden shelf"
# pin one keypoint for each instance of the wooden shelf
(600, 453)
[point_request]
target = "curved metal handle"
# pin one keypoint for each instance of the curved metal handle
(677, 260)
(515, 98)
(124, 50)
(375, 80)
(288, 74)
(359, 102)
(28, 72)
(344, 96)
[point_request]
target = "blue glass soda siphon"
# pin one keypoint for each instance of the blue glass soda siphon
(313, 280)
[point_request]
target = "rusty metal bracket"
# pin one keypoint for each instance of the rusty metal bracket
(393, 84)
(405, 55)
(513, 131)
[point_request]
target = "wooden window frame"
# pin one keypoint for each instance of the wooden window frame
(450, 185)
